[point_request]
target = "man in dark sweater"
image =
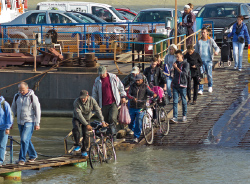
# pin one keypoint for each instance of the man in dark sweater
(195, 62)
(138, 93)
(181, 70)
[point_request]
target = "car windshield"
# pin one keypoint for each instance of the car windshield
(152, 16)
(97, 19)
(84, 18)
(74, 17)
(117, 13)
(218, 11)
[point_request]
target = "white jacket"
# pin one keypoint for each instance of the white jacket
(117, 89)
(26, 110)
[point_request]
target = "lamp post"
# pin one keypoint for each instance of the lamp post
(175, 24)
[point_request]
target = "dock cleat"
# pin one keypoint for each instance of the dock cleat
(77, 148)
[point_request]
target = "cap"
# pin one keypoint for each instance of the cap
(173, 46)
(138, 77)
(84, 93)
(186, 7)
(102, 70)
(135, 69)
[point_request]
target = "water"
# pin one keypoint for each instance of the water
(202, 164)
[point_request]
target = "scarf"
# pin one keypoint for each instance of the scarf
(238, 28)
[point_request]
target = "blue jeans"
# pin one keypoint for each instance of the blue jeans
(208, 66)
(182, 92)
(169, 81)
(3, 143)
(26, 132)
(136, 121)
(238, 52)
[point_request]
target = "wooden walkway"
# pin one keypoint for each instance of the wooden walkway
(38, 164)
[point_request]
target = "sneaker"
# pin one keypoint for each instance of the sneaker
(84, 154)
(77, 148)
(135, 140)
(21, 163)
(32, 160)
(210, 89)
(189, 102)
(240, 70)
(200, 92)
(130, 132)
(194, 102)
(184, 118)
(174, 120)
(235, 67)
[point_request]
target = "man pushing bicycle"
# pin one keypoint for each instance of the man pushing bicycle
(138, 93)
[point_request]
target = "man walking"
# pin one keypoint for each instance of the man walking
(83, 107)
(109, 92)
(6, 122)
(205, 48)
(138, 93)
(181, 72)
(27, 108)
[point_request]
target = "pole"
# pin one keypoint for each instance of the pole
(175, 23)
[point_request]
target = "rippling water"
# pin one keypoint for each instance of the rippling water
(203, 164)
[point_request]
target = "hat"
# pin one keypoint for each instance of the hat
(135, 69)
(84, 93)
(102, 70)
(174, 46)
(186, 7)
(138, 77)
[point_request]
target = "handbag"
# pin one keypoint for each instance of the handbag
(241, 39)
(203, 76)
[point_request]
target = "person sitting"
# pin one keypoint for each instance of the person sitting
(83, 107)
(138, 93)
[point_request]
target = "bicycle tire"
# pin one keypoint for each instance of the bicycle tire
(110, 151)
(148, 128)
(95, 158)
(163, 121)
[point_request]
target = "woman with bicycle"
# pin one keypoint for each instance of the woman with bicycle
(138, 93)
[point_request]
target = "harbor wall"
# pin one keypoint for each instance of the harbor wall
(56, 91)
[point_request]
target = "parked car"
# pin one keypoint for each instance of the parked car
(195, 11)
(155, 15)
(127, 13)
(93, 18)
(223, 16)
(104, 11)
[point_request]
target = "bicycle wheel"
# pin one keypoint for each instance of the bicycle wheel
(110, 151)
(95, 158)
(163, 121)
(148, 129)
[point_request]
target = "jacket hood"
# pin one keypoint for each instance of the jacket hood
(1, 99)
(31, 92)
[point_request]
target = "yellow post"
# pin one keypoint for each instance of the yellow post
(77, 42)
(161, 49)
(155, 50)
(34, 54)
(185, 43)
(115, 44)
(175, 23)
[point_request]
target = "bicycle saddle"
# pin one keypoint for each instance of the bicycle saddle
(96, 124)
(104, 130)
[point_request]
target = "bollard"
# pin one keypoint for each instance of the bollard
(14, 45)
(68, 55)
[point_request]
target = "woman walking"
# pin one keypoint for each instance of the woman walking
(239, 34)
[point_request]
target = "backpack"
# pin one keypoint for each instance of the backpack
(31, 97)
(3, 105)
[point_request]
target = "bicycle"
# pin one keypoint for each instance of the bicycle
(148, 122)
(102, 148)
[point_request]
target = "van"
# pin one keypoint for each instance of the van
(104, 11)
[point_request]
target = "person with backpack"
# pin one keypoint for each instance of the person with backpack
(27, 108)
(6, 122)
(181, 72)
(239, 34)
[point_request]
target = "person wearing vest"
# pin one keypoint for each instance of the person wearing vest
(239, 34)
(137, 93)
(27, 108)
(6, 122)
(181, 72)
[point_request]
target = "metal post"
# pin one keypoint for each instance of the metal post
(77, 37)
(175, 23)
(11, 150)
(34, 54)
(133, 54)
(143, 58)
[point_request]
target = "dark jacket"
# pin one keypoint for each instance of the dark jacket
(194, 59)
(130, 79)
(159, 77)
(180, 79)
(140, 93)
(190, 22)
(244, 33)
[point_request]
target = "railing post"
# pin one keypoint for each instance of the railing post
(77, 43)
(115, 51)
(185, 43)
(128, 36)
(34, 54)
(155, 50)
(133, 54)
(161, 49)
